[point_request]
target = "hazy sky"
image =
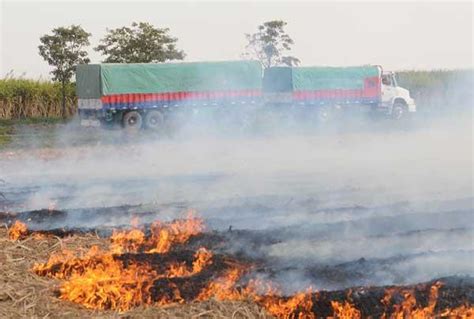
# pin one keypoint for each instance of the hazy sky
(397, 35)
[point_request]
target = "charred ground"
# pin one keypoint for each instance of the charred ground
(351, 214)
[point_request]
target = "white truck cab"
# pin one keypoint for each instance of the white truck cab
(395, 99)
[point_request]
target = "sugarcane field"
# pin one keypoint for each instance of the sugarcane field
(236, 159)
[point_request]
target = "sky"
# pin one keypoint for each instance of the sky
(397, 35)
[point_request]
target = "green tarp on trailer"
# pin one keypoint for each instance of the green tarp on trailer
(327, 78)
(96, 80)
(88, 84)
(180, 77)
(286, 79)
(278, 79)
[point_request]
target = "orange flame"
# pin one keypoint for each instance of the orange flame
(203, 258)
(410, 309)
(224, 288)
(300, 304)
(345, 310)
(110, 285)
(99, 279)
(17, 231)
(461, 312)
(163, 236)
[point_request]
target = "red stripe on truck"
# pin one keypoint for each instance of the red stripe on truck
(131, 98)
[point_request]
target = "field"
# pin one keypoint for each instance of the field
(439, 91)
(26, 98)
(343, 223)
(354, 219)
(27, 295)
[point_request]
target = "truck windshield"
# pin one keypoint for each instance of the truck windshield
(394, 80)
(386, 79)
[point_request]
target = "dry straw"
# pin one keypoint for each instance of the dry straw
(23, 294)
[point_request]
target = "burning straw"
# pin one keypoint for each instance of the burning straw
(156, 266)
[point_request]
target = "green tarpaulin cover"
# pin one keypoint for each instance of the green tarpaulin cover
(168, 77)
(326, 78)
(88, 84)
(277, 79)
(286, 79)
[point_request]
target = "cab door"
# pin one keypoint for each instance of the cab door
(389, 90)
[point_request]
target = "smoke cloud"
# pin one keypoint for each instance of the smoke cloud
(352, 203)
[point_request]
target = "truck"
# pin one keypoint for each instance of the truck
(331, 90)
(148, 95)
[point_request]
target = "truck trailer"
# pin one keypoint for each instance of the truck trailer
(142, 95)
(146, 95)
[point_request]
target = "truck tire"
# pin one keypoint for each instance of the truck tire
(399, 111)
(132, 121)
(154, 120)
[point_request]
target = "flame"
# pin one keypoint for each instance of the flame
(97, 280)
(345, 310)
(163, 236)
(65, 263)
(298, 306)
(110, 285)
(203, 258)
(461, 312)
(110, 279)
(17, 231)
(224, 287)
(127, 241)
(410, 309)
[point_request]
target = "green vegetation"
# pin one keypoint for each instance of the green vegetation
(439, 90)
(23, 98)
(63, 50)
(269, 44)
(140, 43)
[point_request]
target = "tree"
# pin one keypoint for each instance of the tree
(269, 45)
(140, 43)
(64, 49)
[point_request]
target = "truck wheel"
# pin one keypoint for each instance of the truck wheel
(398, 111)
(154, 120)
(132, 121)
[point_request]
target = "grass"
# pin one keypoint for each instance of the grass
(9, 129)
(439, 91)
(32, 120)
(25, 98)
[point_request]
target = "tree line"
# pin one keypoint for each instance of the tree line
(141, 42)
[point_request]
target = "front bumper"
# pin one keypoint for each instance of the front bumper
(411, 106)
